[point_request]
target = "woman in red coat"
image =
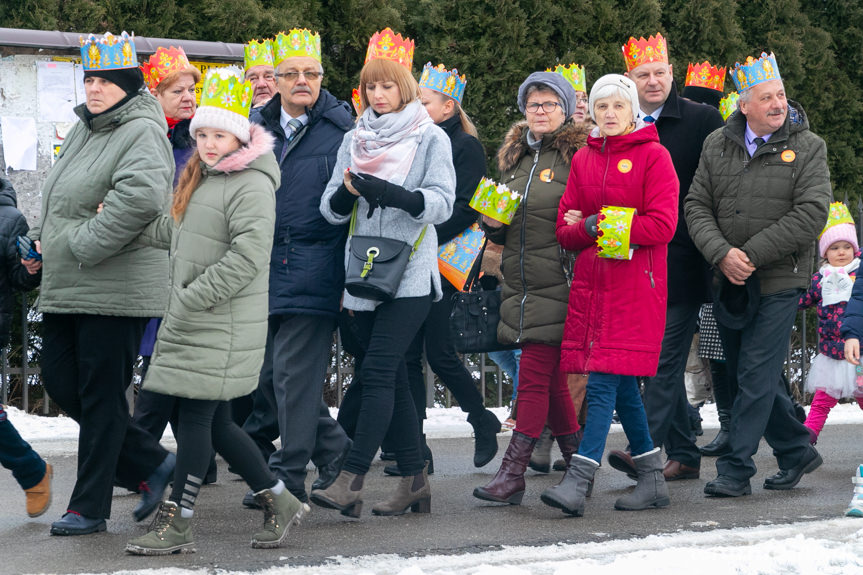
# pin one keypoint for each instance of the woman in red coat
(616, 316)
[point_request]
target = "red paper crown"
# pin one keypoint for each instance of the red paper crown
(162, 63)
(705, 76)
(641, 51)
(391, 46)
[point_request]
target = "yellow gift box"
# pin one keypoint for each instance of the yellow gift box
(614, 227)
(495, 201)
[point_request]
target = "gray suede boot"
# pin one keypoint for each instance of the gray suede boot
(570, 493)
(345, 494)
(540, 459)
(413, 492)
(651, 490)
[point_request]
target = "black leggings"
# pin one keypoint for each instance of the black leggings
(205, 425)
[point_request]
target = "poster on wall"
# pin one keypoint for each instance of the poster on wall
(56, 91)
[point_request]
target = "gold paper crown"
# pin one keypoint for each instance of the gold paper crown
(108, 52)
(225, 88)
(728, 105)
(388, 45)
(295, 43)
(445, 81)
(705, 76)
(257, 53)
(839, 214)
(162, 63)
(574, 74)
(641, 51)
(755, 71)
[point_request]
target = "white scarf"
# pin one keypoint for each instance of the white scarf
(385, 145)
(836, 282)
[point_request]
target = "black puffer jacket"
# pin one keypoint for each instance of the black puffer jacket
(14, 276)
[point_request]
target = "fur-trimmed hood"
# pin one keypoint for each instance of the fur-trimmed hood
(567, 139)
(260, 142)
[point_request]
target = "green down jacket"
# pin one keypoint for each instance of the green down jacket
(211, 343)
(92, 264)
(772, 206)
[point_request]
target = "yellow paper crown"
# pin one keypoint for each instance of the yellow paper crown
(391, 46)
(755, 71)
(839, 214)
(295, 43)
(257, 53)
(225, 88)
(445, 81)
(728, 105)
(162, 63)
(574, 74)
(614, 227)
(705, 76)
(108, 52)
(641, 51)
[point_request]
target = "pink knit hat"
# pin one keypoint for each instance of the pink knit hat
(840, 227)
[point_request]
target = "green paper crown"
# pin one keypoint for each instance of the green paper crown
(224, 88)
(574, 74)
(258, 53)
(839, 214)
(728, 105)
(297, 43)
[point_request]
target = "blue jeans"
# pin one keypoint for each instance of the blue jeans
(605, 393)
(508, 362)
(17, 455)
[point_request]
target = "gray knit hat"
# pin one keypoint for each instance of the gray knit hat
(553, 81)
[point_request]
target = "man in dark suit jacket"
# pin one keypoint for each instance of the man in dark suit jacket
(683, 126)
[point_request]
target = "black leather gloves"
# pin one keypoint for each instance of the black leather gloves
(383, 194)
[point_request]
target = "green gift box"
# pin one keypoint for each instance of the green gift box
(495, 201)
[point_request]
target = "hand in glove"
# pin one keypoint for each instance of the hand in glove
(383, 194)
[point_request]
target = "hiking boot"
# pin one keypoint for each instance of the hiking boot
(39, 496)
(486, 426)
(345, 494)
(154, 487)
(280, 512)
(507, 486)
(413, 492)
(540, 459)
(169, 533)
(651, 490)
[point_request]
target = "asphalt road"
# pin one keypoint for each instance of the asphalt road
(459, 523)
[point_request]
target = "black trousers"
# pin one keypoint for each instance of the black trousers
(434, 335)
(762, 406)
(386, 408)
(87, 363)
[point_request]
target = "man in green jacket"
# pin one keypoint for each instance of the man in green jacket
(757, 203)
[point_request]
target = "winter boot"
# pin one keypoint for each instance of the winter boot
(855, 508)
(393, 468)
(719, 445)
(508, 485)
(568, 445)
(280, 512)
(154, 487)
(486, 426)
(651, 490)
(570, 493)
(345, 494)
(39, 496)
(169, 533)
(540, 459)
(413, 492)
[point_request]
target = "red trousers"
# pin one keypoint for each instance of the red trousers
(543, 395)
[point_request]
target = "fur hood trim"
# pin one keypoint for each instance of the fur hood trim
(260, 142)
(567, 140)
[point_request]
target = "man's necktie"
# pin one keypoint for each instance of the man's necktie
(649, 119)
(294, 126)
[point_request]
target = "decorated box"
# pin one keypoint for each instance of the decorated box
(614, 226)
(495, 201)
(457, 256)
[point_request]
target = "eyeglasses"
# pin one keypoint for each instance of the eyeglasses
(267, 77)
(580, 100)
(547, 107)
(291, 76)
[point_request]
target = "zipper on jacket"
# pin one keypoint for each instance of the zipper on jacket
(650, 265)
(795, 262)
(522, 246)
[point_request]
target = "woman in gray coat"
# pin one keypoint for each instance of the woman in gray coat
(394, 172)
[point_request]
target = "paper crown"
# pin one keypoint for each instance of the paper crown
(495, 200)
(728, 104)
(574, 74)
(296, 43)
(755, 71)
(641, 51)
(445, 81)
(109, 52)
(614, 228)
(225, 88)
(162, 63)
(705, 76)
(388, 45)
(258, 53)
(839, 214)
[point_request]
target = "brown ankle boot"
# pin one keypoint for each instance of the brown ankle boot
(412, 492)
(345, 494)
(508, 485)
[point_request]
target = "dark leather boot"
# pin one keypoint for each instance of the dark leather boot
(486, 426)
(508, 485)
(719, 445)
(393, 468)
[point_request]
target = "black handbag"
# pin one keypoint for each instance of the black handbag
(375, 264)
(475, 315)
